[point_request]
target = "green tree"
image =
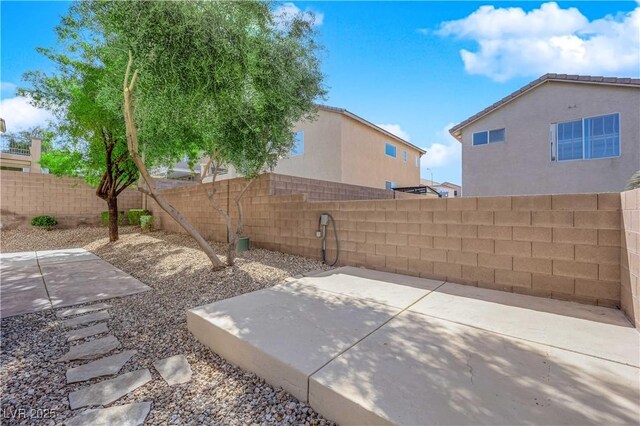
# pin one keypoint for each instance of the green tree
(87, 138)
(634, 181)
(219, 79)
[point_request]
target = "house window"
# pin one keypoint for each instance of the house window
(589, 138)
(298, 144)
(389, 184)
(569, 140)
(491, 136)
(404, 156)
(417, 161)
(390, 150)
(602, 136)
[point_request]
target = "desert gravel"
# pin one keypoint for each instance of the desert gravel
(154, 324)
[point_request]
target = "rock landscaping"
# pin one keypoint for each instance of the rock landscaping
(148, 339)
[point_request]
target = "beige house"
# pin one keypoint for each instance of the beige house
(558, 134)
(340, 146)
(445, 189)
(23, 156)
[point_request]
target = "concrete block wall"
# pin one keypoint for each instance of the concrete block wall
(630, 255)
(560, 246)
(70, 200)
(565, 247)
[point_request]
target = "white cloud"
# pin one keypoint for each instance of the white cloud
(512, 42)
(20, 115)
(446, 151)
(395, 130)
(286, 11)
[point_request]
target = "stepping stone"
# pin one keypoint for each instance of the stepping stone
(110, 390)
(174, 370)
(82, 333)
(83, 310)
(96, 316)
(92, 349)
(102, 367)
(122, 415)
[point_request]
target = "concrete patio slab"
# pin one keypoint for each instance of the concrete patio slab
(12, 260)
(581, 328)
(47, 257)
(363, 352)
(24, 302)
(373, 285)
(79, 282)
(71, 277)
(419, 369)
(287, 332)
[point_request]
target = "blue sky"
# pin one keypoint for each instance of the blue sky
(414, 67)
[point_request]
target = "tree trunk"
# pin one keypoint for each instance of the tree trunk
(132, 144)
(112, 202)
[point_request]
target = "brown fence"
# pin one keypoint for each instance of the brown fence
(630, 255)
(560, 246)
(70, 200)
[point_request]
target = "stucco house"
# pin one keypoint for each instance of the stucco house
(340, 146)
(445, 189)
(558, 134)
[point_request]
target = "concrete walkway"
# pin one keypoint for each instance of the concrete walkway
(365, 347)
(35, 281)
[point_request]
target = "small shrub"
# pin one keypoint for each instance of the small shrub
(146, 223)
(134, 215)
(122, 218)
(44, 221)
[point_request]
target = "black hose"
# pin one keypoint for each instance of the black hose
(335, 233)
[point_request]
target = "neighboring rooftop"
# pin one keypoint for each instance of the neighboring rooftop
(370, 124)
(566, 78)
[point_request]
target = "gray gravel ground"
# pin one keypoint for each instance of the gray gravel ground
(154, 324)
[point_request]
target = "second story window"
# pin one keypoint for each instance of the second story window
(586, 139)
(490, 136)
(390, 150)
(417, 161)
(404, 156)
(298, 144)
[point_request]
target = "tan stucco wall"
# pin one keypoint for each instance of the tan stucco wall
(522, 165)
(322, 155)
(365, 162)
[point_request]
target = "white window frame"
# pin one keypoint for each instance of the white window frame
(395, 150)
(417, 161)
(291, 154)
(404, 155)
(488, 132)
(553, 136)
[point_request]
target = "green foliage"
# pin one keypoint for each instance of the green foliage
(215, 78)
(85, 98)
(122, 218)
(44, 221)
(146, 223)
(634, 182)
(134, 215)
